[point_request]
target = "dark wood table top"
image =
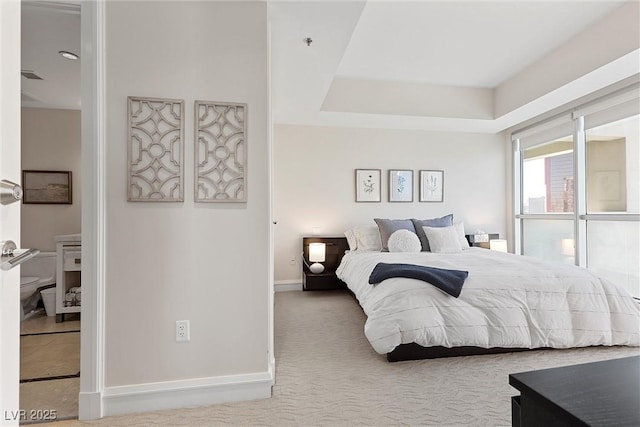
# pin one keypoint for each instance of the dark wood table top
(596, 394)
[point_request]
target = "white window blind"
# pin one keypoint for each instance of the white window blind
(543, 132)
(617, 106)
(612, 114)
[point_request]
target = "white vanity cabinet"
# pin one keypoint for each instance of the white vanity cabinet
(68, 271)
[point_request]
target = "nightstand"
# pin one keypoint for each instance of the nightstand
(481, 240)
(335, 248)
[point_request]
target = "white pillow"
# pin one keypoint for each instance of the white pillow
(368, 238)
(443, 239)
(351, 240)
(404, 241)
(464, 243)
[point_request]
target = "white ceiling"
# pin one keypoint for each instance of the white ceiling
(47, 28)
(460, 43)
(435, 65)
(371, 63)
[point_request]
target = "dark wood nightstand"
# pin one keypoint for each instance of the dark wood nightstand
(481, 240)
(335, 248)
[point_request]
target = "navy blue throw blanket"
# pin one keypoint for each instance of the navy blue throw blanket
(450, 281)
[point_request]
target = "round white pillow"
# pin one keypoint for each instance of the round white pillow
(404, 241)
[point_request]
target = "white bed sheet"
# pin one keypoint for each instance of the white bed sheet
(508, 301)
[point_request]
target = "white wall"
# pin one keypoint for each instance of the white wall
(206, 263)
(51, 141)
(314, 181)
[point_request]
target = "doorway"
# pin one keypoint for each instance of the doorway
(51, 172)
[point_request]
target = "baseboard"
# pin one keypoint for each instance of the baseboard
(272, 369)
(89, 406)
(186, 393)
(287, 285)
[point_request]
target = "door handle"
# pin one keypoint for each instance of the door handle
(11, 256)
(9, 192)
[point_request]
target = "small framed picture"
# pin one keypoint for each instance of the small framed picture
(432, 186)
(46, 187)
(400, 185)
(368, 185)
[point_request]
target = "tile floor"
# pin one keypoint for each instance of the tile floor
(49, 366)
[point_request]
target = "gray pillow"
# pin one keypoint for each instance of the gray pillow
(388, 226)
(445, 221)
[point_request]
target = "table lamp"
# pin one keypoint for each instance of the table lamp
(316, 256)
(499, 245)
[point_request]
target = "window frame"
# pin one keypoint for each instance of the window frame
(580, 216)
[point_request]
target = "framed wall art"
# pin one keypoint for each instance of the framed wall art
(368, 185)
(46, 187)
(156, 149)
(431, 186)
(400, 185)
(221, 152)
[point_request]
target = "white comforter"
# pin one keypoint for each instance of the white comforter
(507, 301)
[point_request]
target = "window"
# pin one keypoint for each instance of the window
(613, 154)
(549, 239)
(613, 252)
(547, 177)
(612, 187)
(577, 184)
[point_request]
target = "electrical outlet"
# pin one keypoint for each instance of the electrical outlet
(182, 331)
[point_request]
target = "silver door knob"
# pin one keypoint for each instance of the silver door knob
(9, 192)
(8, 246)
(11, 256)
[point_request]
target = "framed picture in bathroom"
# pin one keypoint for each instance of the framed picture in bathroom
(46, 187)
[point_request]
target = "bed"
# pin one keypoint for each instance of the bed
(507, 303)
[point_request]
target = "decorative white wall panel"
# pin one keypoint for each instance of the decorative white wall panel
(156, 149)
(221, 152)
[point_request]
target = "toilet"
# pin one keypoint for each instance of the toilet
(28, 286)
(37, 273)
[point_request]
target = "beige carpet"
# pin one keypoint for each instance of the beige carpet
(328, 375)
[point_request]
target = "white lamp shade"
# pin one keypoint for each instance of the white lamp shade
(316, 252)
(499, 245)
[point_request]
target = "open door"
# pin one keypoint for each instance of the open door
(10, 213)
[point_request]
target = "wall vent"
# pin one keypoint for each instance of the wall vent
(30, 75)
